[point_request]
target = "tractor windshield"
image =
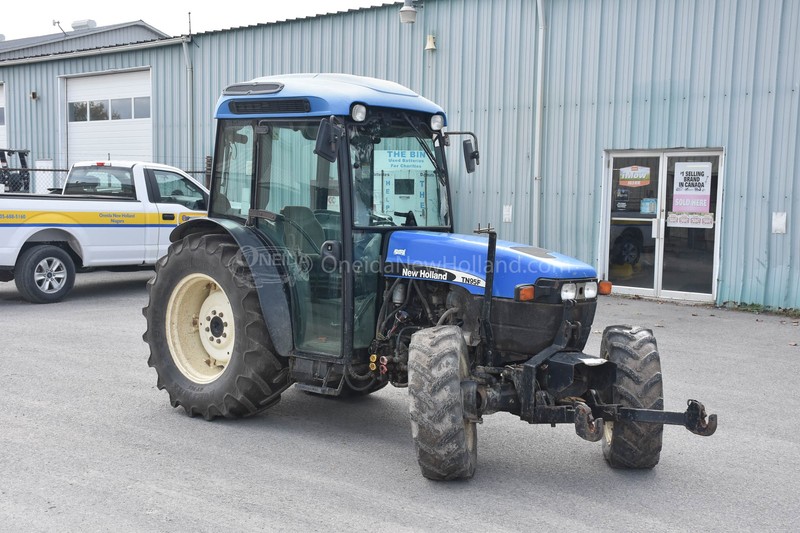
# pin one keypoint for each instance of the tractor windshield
(399, 175)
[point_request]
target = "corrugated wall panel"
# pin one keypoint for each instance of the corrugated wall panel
(35, 125)
(619, 74)
(482, 71)
(680, 74)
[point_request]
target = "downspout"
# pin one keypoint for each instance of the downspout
(185, 40)
(537, 137)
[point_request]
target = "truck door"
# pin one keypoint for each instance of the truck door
(177, 199)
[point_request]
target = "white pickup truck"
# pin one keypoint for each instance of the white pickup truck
(109, 215)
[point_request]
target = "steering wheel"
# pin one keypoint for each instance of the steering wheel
(379, 220)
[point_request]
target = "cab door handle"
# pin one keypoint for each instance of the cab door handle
(168, 216)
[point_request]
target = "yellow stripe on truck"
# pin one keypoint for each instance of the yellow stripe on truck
(90, 218)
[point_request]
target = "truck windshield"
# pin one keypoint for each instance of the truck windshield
(398, 177)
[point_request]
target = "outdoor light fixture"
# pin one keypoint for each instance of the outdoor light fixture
(408, 13)
(430, 44)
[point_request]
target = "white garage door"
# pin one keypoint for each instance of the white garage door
(3, 138)
(109, 115)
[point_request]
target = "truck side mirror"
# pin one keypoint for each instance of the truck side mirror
(471, 156)
(328, 138)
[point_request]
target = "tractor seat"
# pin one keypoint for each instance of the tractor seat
(304, 233)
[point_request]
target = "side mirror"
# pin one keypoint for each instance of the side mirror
(328, 138)
(471, 156)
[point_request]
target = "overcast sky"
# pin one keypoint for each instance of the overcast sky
(21, 18)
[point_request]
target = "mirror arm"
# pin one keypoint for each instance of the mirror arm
(476, 152)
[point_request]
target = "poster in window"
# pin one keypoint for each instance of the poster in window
(691, 198)
(634, 176)
(692, 188)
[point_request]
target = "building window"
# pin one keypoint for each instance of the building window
(98, 110)
(77, 112)
(121, 109)
(141, 107)
(2, 116)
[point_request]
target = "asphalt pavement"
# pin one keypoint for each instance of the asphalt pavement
(88, 443)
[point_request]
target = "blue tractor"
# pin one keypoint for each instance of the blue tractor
(328, 261)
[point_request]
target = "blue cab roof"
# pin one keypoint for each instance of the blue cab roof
(327, 94)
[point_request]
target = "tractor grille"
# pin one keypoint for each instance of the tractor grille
(269, 107)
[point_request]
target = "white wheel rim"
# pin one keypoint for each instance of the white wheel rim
(50, 275)
(200, 328)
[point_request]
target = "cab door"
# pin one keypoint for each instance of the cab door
(177, 198)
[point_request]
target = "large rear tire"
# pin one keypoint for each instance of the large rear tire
(638, 385)
(44, 274)
(445, 441)
(208, 341)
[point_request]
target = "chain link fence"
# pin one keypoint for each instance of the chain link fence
(17, 177)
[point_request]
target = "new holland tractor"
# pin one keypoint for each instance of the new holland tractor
(328, 261)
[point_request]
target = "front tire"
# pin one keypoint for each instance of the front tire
(208, 341)
(638, 385)
(445, 441)
(44, 274)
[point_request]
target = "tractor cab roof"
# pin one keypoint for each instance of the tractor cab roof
(316, 95)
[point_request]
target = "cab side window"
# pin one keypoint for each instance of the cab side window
(172, 188)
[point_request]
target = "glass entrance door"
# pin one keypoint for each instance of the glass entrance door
(663, 234)
(634, 210)
(690, 225)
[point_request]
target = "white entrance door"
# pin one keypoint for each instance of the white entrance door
(663, 210)
(108, 117)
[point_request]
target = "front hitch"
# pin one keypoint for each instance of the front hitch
(695, 419)
(587, 426)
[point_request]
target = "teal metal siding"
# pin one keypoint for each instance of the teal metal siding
(650, 75)
(619, 74)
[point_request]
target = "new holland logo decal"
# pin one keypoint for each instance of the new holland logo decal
(429, 273)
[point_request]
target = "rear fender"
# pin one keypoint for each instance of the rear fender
(269, 280)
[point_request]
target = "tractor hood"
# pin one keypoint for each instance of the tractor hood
(461, 260)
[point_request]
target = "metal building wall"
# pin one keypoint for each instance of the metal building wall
(619, 74)
(39, 125)
(482, 72)
(650, 75)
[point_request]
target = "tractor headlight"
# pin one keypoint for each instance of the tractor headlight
(437, 122)
(359, 112)
(569, 291)
(590, 290)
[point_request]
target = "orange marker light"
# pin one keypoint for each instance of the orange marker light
(604, 287)
(525, 293)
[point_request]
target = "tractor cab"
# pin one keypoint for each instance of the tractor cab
(326, 177)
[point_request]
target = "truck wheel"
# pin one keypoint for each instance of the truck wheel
(446, 442)
(638, 385)
(44, 274)
(208, 340)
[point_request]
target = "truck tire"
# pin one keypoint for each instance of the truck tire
(638, 385)
(44, 274)
(446, 442)
(208, 341)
